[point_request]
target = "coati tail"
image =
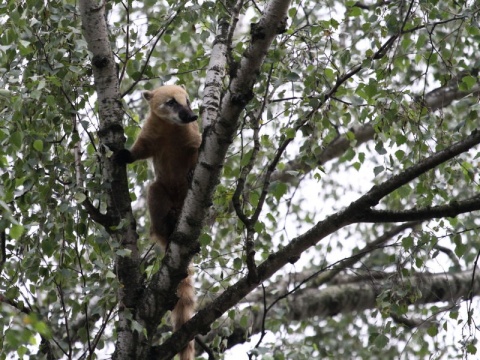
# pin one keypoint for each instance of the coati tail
(183, 311)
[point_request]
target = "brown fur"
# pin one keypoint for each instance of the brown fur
(170, 136)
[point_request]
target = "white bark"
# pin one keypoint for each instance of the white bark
(353, 297)
(217, 138)
(215, 75)
(111, 136)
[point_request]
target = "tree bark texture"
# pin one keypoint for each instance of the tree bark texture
(353, 297)
(218, 135)
(111, 137)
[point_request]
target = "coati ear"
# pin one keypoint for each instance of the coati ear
(183, 87)
(147, 95)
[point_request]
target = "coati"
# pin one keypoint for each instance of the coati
(170, 136)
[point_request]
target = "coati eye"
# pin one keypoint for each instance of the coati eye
(171, 102)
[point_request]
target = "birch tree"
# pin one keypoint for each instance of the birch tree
(333, 210)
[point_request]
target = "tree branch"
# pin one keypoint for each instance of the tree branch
(444, 95)
(214, 79)
(333, 150)
(340, 299)
(378, 192)
(356, 296)
(292, 251)
(327, 273)
(436, 99)
(451, 210)
(118, 200)
(321, 276)
(219, 133)
(159, 35)
(95, 214)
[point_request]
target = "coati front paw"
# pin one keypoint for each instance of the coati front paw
(123, 156)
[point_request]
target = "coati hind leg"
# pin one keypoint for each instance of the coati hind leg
(164, 216)
(162, 221)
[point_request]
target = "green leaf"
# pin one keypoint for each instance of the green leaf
(432, 330)
(329, 73)
(42, 329)
(355, 11)
(123, 252)
(400, 139)
(460, 249)
(400, 154)
(38, 145)
(259, 226)
(80, 197)
(22, 350)
(469, 81)
(361, 157)
(246, 158)
(350, 135)
(244, 321)
(453, 315)
(345, 57)
(407, 242)
(378, 170)
(290, 133)
(279, 189)
(292, 76)
(16, 139)
(380, 148)
(185, 37)
(16, 231)
(348, 155)
(205, 239)
(471, 349)
(371, 90)
(381, 341)
(49, 246)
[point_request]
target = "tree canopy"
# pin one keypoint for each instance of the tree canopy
(334, 208)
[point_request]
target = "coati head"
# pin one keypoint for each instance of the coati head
(170, 102)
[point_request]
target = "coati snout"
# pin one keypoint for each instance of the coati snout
(184, 113)
(170, 103)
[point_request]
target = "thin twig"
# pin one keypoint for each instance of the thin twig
(152, 49)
